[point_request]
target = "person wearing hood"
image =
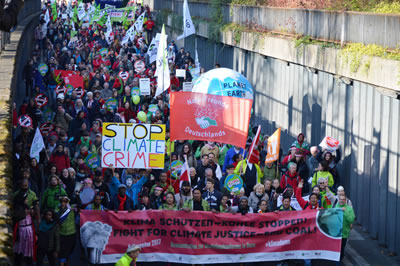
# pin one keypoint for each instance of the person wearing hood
(302, 145)
(52, 194)
(257, 195)
(291, 177)
(48, 243)
(60, 158)
(243, 206)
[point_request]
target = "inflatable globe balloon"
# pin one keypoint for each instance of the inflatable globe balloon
(224, 82)
(142, 116)
(136, 99)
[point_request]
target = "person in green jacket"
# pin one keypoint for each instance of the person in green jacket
(348, 219)
(169, 203)
(197, 203)
(66, 220)
(270, 172)
(130, 257)
(51, 196)
(323, 173)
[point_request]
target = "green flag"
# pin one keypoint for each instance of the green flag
(75, 17)
(73, 33)
(54, 10)
(103, 19)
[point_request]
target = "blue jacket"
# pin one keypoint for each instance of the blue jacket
(127, 206)
(229, 157)
(132, 192)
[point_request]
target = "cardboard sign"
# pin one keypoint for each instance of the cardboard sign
(46, 128)
(127, 145)
(181, 73)
(144, 85)
(187, 86)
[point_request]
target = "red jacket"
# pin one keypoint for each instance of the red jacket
(60, 161)
(289, 179)
(305, 205)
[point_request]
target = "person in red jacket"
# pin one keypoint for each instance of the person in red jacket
(174, 81)
(312, 204)
(291, 177)
(59, 158)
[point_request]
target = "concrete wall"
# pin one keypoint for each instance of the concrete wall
(318, 103)
(352, 27)
(12, 61)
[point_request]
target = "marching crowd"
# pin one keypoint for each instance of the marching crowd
(50, 190)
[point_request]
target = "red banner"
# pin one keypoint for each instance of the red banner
(75, 80)
(65, 73)
(208, 117)
(204, 237)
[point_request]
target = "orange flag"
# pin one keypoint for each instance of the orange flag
(274, 144)
(208, 117)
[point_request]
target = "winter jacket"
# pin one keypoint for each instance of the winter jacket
(189, 204)
(289, 179)
(260, 174)
(51, 197)
(254, 200)
(322, 174)
(127, 206)
(213, 198)
(134, 190)
(348, 219)
(61, 160)
(229, 157)
(270, 173)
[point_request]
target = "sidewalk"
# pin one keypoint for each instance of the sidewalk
(362, 250)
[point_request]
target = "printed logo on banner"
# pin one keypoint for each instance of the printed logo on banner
(139, 66)
(95, 235)
(41, 100)
(206, 116)
(25, 121)
(127, 145)
(329, 222)
(46, 128)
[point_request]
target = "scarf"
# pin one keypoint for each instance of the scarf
(122, 201)
(45, 227)
(64, 215)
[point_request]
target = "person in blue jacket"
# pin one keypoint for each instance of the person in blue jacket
(132, 188)
(229, 156)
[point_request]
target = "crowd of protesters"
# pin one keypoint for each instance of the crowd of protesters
(51, 190)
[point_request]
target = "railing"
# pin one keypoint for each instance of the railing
(353, 27)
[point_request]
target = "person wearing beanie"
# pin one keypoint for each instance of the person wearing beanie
(243, 206)
(130, 257)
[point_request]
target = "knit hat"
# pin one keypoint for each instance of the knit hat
(244, 198)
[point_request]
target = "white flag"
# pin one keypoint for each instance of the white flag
(153, 48)
(47, 17)
(188, 27)
(108, 24)
(37, 145)
(162, 71)
(129, 36)
(81, 11)
(139, 22)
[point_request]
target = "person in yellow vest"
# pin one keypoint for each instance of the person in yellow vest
(130, 257)
(251, 174)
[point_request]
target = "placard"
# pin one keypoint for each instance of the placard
(144, 85)
(187, 86)
(181, 73)
(127, 145)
